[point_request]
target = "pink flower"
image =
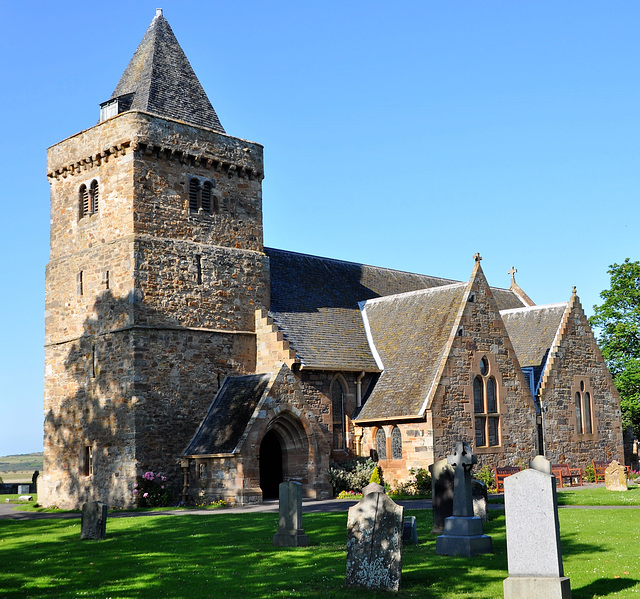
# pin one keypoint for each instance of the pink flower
(135, 491)
(162, 487)
(146, 495)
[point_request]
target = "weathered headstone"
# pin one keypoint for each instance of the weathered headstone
(290, 532)
(533, 535)
(374, 542)
(410, 531)
(25, 498)
(23, 489)
(94, 520)
(441, 494)
(480, 500)
(615, 477)
(463, 531)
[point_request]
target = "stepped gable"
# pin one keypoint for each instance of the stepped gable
(228, 415)
(160, 80)
(314, 301)
(410, 333)
(532, 331)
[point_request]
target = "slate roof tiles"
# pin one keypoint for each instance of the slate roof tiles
(162, 81)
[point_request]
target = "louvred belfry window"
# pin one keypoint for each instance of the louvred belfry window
(88, 198)
(485, 407)
(201, 196)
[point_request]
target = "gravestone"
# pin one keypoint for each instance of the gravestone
(463, 531)
(615, 477)
(374, 541)
(25, 498)
(94, 520)
(290, 532)
(410, 531)
(24, 489)
(441, 494)
(480, 500)
(533, 535)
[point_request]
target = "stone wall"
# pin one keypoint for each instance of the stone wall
(148, 304)
(483, 334)
(575, 358)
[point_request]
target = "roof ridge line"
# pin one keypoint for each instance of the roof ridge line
(536, 307)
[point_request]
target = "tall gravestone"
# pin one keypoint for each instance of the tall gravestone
(441, 494)
(463, 531)
(374, 541)
(290, 532)
(94, 520)
(533, 535)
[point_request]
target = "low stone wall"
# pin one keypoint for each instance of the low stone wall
(12, 488)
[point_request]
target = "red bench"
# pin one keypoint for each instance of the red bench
(600, 467)
(563, 472)
(502, 473)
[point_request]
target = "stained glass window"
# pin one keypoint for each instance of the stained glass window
(396, 444)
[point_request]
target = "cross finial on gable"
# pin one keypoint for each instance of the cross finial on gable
(512, 271)
(477, 257)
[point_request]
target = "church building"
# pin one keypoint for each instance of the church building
(177, 343)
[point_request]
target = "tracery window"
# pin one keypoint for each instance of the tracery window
(396, 444)
(89, 197)
(584, 410)
(381, 444)
(485, 407)
(337, 408)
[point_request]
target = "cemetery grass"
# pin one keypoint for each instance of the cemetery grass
(232, 556)
(599, 496)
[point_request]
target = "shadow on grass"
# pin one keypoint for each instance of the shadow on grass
(603, 587)
(232, 555)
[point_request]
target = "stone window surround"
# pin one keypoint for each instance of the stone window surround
(87, 465)
(501, 391)
(575, 388)
(387, 430)
(338, 379)
(93, 208)
(214, 199)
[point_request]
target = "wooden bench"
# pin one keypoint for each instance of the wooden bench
(600, 467)
(502, 473)
(563, 472)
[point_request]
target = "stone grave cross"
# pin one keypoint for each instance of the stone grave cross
(462, 459)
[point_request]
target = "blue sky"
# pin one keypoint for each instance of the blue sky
(409, 135)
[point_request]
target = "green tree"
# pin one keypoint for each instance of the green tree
(617, 322)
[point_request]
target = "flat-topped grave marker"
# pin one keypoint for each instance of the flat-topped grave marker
(533, 535)
(94, 520)
(290, 532)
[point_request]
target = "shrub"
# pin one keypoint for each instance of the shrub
(485, 475)
(375, 476)
(352, 475)
(590, 474)
(418, 484)
(152, 490)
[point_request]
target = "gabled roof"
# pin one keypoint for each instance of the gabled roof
(314, 302)
(228, 415)
(162, 81)
(532, 331)
(410, 333)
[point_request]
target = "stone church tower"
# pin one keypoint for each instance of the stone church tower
(155, 272)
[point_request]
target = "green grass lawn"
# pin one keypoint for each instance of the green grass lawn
(599, 496)
(231, 556)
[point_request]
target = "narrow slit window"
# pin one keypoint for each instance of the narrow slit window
(87, 465)
(198, 269)
(381, 444)
(80, 283)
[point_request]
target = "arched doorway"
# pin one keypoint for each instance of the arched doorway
(284, 454)
(270, 465)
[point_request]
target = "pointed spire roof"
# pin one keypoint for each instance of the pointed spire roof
(160, 80)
